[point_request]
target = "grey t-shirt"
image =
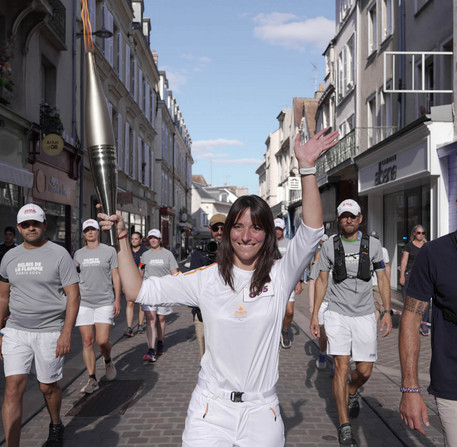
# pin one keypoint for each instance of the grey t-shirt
(96, 282)
(37, 278)
(353, 296)
(282, 245)
(158, 263)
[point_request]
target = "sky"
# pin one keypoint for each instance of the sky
(232, 67)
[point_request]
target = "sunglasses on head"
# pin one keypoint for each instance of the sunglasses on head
(29, 223)
(216, 227)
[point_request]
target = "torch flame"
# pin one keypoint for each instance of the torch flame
(87, 28)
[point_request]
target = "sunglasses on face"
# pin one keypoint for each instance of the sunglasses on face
(420, 232)
(217, 227)
(30, 223)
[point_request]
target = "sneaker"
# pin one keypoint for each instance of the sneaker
(321, 362)
(285, 339)
(129, 332)
(55, 438)
(150, 356)
(424, 330)
(353, 405)
(141, 328)
(90, 387)
(159, 347)
(345, 436)
(110, 371)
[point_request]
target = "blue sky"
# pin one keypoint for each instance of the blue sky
(233, 66)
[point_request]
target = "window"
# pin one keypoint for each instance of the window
(346, 69)
(371, 120)
(372, 29)
(387, 20)
(385, 113)
(48, 82)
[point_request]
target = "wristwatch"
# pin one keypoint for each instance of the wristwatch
(390, 311)
(307, 171)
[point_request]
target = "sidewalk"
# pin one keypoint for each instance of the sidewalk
(147, 403)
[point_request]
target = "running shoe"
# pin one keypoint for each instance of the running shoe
(321, 361)
(353, 405)
(129, 332)
(110, 371)
(345, 436)
(285, 339)
(90, 387)
(150, 356)
(160, 348)
(55, 438)
(424, 330)
(141, 328)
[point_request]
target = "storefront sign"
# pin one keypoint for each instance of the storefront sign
(387, 171)
(53, 185)
(294, 183)
(52, 144)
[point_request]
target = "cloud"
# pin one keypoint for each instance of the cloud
(240, 161)
(203, 146)
(176, 79)
(206, 150)
(291, 31)
(191, 57)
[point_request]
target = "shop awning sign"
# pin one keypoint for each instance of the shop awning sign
(52, 144)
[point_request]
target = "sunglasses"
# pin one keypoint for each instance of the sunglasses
(420, 232)
(30, 223)
(217, 227)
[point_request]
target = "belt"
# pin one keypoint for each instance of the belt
(235, 396)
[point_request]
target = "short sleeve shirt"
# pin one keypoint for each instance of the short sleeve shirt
(412, 250)
(433, 276)
(353, 296)
(158, 263)
(96, 283)
(137, 254)
(385, 258)
(37, 278)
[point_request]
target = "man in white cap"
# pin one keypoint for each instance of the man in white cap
(39, 283)
(157, 261)
(350, 321)
(283, 242)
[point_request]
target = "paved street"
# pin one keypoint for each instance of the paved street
(159, 395)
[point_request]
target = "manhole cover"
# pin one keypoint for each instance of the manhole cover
(112, 399)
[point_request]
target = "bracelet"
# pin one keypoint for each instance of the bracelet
(307, 171)
(122, 237)
(405, 389)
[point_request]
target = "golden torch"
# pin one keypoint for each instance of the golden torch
(100, 140)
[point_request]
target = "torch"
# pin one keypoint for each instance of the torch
(100, 141)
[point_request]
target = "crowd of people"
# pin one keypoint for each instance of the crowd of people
(241, 286)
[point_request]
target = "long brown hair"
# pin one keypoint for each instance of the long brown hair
(262, 217)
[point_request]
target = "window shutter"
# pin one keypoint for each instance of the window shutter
(127, 67)
(126, 148)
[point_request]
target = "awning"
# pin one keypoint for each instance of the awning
(16, 176)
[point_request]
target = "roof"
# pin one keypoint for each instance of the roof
(199, 179)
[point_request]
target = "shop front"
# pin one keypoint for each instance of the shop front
(402, 181)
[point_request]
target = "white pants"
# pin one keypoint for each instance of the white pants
(219, 422)
(447, 410)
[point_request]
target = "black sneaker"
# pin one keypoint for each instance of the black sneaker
(129, 332)
(353, 405)
(55, 438)
(150, 356)
(159, 347)
(285, 339)
(345, 437)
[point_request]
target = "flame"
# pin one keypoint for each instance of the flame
(87, 28)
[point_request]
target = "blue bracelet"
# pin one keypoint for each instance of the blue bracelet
(405, 389)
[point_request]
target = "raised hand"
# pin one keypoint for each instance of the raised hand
(309, 152)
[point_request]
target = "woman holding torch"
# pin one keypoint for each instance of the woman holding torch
(242, 298)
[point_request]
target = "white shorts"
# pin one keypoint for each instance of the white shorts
(218, 422)
(88, 316)
(160, 310)
(354, 336)
(20, 348)
(322, 310)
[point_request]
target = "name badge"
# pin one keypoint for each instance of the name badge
(249, 297)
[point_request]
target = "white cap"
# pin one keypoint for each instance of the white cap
(279, 223)
(30, 212)
(91, 223)
(348, 206)
(155, 233)
(324, 238)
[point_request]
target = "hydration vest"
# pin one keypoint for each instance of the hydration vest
(339, 268)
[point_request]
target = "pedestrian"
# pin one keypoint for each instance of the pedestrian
(410, 251)
(376, 295)
(432, 276)
(202, 258)
(39, 284)
(283, 243)
(9, 241)
(100, 287)
(157, 261)
(350, 322)
(242, 299)
(137, 250)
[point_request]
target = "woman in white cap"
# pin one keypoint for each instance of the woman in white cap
(242, 299)
(158, 261)
(100, 288)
